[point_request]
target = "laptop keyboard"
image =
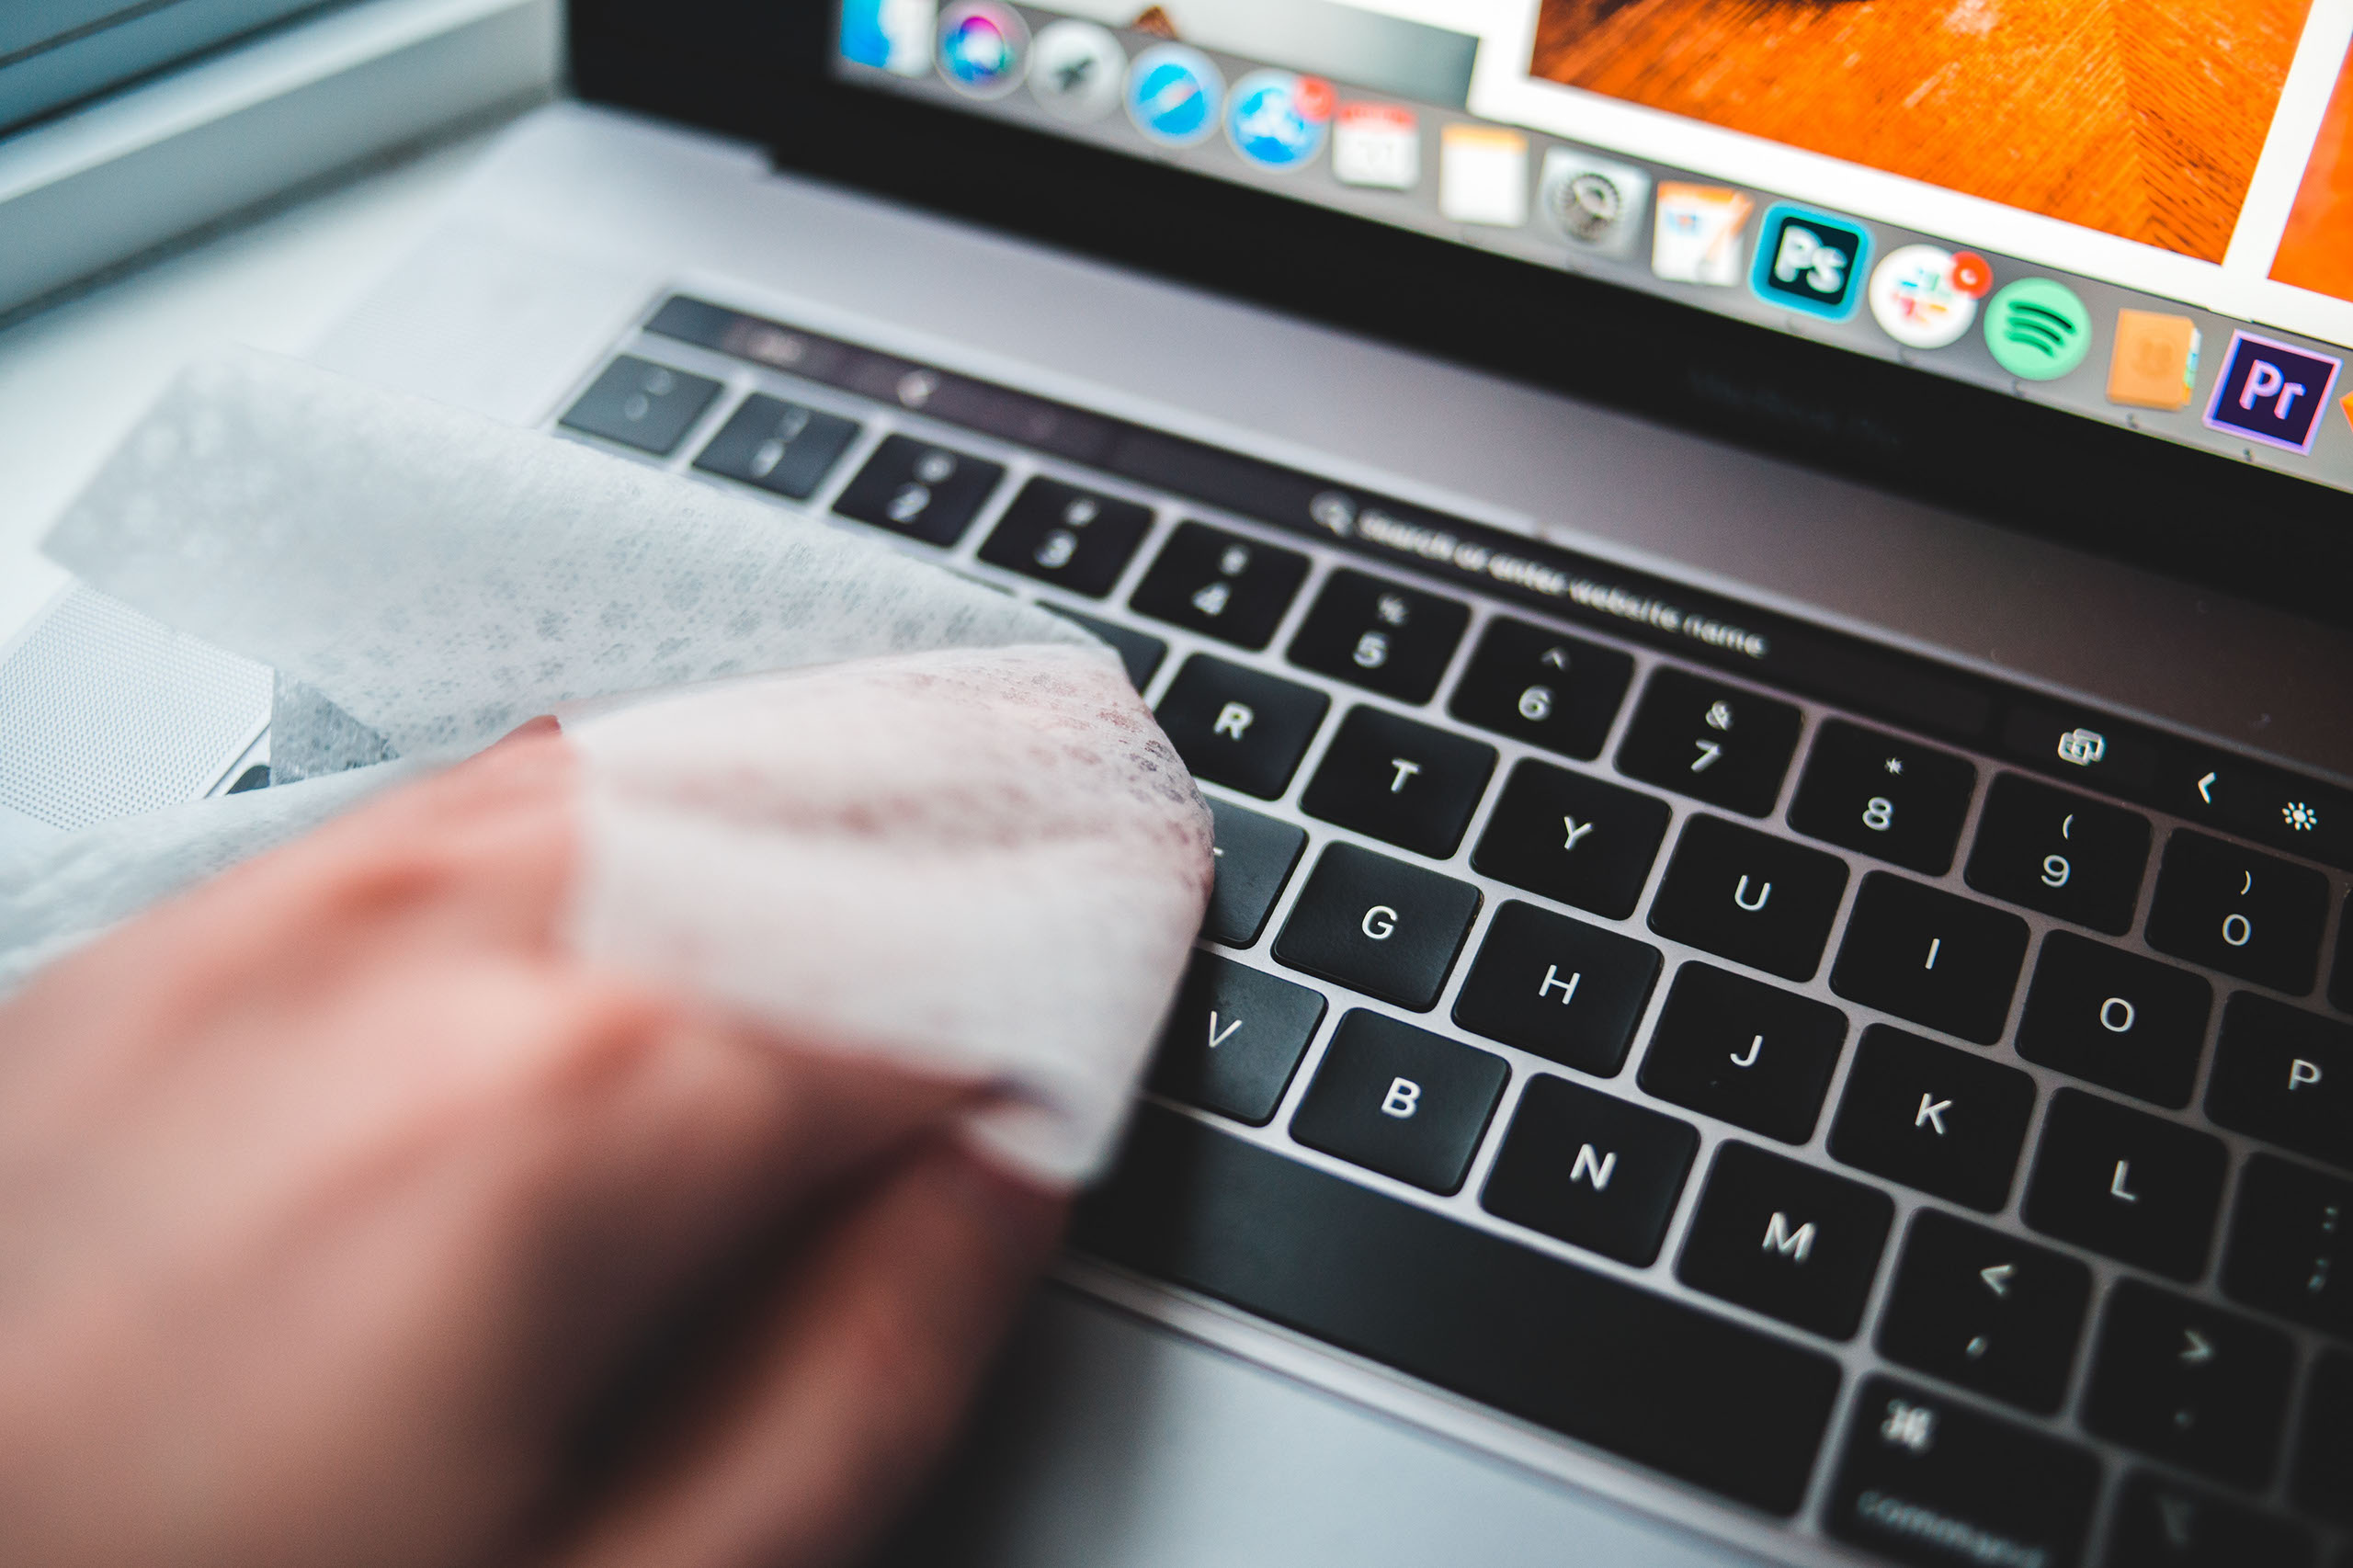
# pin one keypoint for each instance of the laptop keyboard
(1832, 1118)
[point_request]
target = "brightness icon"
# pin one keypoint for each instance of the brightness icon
(2300, 816)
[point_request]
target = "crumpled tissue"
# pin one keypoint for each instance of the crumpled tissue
(824, 783)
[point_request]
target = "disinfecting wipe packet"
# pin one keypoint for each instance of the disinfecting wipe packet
(821, 784)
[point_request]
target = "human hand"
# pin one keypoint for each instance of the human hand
(343, 1217)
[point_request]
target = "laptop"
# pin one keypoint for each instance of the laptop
(1761, 596)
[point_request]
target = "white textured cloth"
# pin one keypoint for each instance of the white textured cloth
(874, 805)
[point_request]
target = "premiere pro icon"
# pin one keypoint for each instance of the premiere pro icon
(2272, 393)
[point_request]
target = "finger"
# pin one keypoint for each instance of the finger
(851, 1384)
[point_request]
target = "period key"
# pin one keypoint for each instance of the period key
(2180, 1380)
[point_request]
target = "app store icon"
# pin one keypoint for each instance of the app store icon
(2271, 392)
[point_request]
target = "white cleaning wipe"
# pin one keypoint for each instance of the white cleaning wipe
(983, 864)
(950, 836)
(443, 578)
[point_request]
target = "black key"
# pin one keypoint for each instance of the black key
(1717, 743)
(1571, 838)
(2115, 1018)
(1924, 955)
(1411, 785)
(1255, 856)
(1558, 987)
(2322, 1478)
(1236, 726)
(1401, 1100)
(2064, 855)
(1929, 1482)
(1591, 1170)
(1934, 1117)
(1389, 929)
(1761, 900)
(1380, 635)
(1139, 653)
(1743, 1052)
(2241, 912)
(1078, 539)
(1788, 1240)
(1537, 686)
(2285, 1075)
(2125, 1184)
(2340, 986)
(1886, 797)
(2162, 1524)
(1587, 1356)
(1985, 1311)
(920, 490)
(787, 448)
(642, 404)
(1220, 583)
(1233, 1038)
(2291, 1244)
(2180, 1382)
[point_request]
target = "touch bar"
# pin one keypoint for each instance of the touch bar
(1590, 1356)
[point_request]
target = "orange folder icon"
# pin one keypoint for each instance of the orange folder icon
(2155, 362)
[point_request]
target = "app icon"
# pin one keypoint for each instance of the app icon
(1593, 201)
(890, 35)
(1483, 176)
(2271, 392)
(982, 47)
(1810, 262)
(1074, 70)
(2038, 329)
(1926, 297)
(1377, 144)
(1277, 118)
(1697, 236)
(2154, 364)
(1172, 95)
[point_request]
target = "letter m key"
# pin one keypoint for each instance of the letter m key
(1796, 1245)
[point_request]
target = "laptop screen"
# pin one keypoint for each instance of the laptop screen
(2141, 216)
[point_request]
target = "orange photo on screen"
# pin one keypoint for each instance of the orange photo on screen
(2139, 118)
(2316, 252)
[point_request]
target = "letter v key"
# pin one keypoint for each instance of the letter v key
(1220, 1036)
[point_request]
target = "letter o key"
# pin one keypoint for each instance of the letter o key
(2115, 1015)
(1380, 921)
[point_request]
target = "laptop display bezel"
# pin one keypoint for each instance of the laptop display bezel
(760, 70)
